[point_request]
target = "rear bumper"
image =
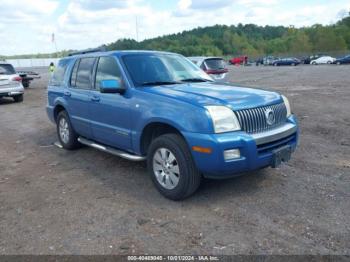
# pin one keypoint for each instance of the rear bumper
(50, 113)
(256, 150)
(12, 91)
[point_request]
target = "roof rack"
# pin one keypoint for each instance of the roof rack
(90, 50)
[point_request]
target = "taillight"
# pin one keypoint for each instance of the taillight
(17, 79)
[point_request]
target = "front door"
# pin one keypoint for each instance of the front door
(110, 113)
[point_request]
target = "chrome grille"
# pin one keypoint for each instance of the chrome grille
(254, 120)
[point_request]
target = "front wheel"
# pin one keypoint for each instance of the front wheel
(66, 134)
(172, 168)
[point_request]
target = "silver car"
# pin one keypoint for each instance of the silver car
(10, 82)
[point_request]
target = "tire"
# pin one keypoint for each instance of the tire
(338, 63)
(275, 64)
(313, 63)
(176, 178)
(293, 64)
(25, 84)
(18, 98)
(65, 132)
(329, 62)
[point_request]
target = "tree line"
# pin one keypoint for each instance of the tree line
(248, 39)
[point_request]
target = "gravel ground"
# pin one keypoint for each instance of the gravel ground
(87, 202)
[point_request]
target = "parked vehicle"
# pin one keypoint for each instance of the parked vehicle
(323, 60)
(240, 60)
(268, 60)
(343, 60)
(10, 82)
(308, 59)
(160, 107)
(286, 61)
(27, 77)
(213, 66)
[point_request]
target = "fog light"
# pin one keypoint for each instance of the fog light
(232, 154)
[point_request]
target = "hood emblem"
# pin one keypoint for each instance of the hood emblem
(270, 116)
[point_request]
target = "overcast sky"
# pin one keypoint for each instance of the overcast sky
(26, 25)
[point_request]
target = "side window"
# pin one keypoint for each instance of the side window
(73, 78)
(107, 69)
(84, 72)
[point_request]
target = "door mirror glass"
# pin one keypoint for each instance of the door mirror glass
(111, 86)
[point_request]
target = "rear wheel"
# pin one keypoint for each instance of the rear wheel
(338, 63)
(66, 134)
(293, 64)
(18, 98)
(172, 168)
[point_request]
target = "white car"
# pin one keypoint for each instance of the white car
(323, 60)
(10, 82)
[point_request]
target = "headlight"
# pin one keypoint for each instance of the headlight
(224, 120)
(287, 104)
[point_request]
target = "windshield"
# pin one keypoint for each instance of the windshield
(153, 68)
(215, 63)
(7, 69)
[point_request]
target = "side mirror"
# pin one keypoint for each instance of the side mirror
(111, 87)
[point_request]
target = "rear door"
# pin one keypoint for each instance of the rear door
(78, 95)
(110, 116)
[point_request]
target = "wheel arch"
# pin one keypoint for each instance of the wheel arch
(155, 129)
(58, 108)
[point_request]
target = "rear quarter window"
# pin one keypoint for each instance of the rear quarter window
(7, 69)
(58, 76)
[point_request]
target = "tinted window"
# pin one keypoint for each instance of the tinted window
(107, 69)
(73, 78)
(83, 80)
(58, 76)
(7, 69)
(215, 63)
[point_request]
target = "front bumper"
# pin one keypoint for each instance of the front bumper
(256, 150)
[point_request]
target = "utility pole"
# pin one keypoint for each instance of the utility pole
(137, 29)
(53, 40)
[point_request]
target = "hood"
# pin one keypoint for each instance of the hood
(203, 94)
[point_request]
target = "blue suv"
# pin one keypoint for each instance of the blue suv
(161, 108)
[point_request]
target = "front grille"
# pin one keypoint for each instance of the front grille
(254, 120)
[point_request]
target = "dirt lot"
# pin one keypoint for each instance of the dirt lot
(87, 202)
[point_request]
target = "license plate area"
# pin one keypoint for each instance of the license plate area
(280, 155)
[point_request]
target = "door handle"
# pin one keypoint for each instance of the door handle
(67, 93)
(95, 98)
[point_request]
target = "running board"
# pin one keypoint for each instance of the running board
(110, 150)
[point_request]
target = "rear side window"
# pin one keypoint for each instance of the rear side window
(7, 69)
(58, 76)
(107, 69)
(73, 78)
(82, 78)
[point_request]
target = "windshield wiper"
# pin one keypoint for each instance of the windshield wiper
(154, 83)
(195, 80)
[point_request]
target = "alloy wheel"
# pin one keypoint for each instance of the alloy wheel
(166, 168)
